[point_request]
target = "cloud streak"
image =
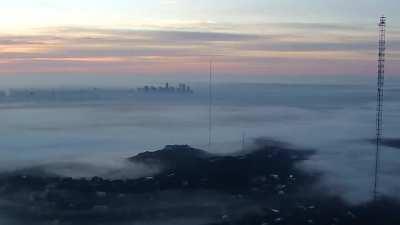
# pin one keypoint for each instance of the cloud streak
(169, 50)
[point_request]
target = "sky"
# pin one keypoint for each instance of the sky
(180, 37)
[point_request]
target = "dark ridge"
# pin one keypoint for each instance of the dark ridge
(260, 186)
(266, 172)
(391, 142)
(323, 211)
(388, 142)
(171, 156)
(261, 168)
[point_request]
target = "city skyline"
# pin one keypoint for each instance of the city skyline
(179, 37)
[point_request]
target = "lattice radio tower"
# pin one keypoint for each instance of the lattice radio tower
(379, 108)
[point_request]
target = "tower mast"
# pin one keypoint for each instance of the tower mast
(210, 106)
(379, 108)
(243, 141)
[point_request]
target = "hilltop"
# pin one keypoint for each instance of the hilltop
(259, 186)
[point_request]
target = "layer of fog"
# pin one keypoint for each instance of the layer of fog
(335, 120)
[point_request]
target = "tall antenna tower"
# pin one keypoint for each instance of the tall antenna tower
(379, 108)
(210, 98)
(243, 141)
